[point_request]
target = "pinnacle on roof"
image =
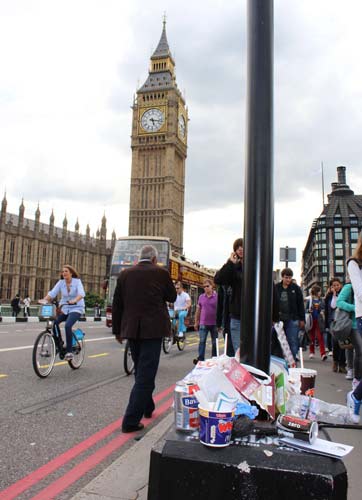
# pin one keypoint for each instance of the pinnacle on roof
(162, 49)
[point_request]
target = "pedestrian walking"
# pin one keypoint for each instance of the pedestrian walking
(139, 314)
(315, 306)
(15, 305)
(345, 301)
(354, 266)
(205, 319)
(27, 302)
(291, 309)
(231, 275)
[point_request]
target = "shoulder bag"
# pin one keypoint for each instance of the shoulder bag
(308, 318)
(341, 325)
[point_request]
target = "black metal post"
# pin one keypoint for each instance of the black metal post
(257, 291)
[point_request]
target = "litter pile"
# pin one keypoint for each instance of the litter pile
(221, 398)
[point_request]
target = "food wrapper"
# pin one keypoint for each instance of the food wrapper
(241, 379)
(214, 382)
(265, 396)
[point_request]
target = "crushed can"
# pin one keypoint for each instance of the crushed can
(186, 406)
(297, 428)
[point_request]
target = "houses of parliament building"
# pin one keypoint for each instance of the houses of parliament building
(32, 254)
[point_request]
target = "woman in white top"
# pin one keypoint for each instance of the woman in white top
(71, 303)
(354, 266)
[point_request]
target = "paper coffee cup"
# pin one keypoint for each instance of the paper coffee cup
(304, 379)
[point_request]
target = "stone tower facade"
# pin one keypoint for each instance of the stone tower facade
(159, 150)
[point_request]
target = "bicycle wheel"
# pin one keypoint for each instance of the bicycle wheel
(44, 353)
(166, 344)
(181, 341)
(128, 363)
(78, 355)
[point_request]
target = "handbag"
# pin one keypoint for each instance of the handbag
(341, 325)
(308, 318)
(308, 322)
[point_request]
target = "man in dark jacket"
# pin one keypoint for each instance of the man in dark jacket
(291, 309)
(139, 314)
(231, 274)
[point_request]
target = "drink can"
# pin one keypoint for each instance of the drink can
(186, 406)
(297, 428)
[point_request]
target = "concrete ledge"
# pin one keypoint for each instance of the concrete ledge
(8, 319)
(184, 468)
(36, 319)
(127, 477)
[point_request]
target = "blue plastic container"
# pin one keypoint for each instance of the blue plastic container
(215, 428)
(79, 335)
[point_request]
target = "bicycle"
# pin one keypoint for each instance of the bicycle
(49, 344)
(168, 342)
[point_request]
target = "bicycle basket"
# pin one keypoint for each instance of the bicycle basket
(47, 311)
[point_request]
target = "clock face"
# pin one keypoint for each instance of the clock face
(182, 126)
(152, 120)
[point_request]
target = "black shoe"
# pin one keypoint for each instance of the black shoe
(132, 428)
(195, 361)
(148, 414)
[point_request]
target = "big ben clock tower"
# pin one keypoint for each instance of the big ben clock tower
(159, 150)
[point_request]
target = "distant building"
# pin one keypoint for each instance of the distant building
(32, 254)
(333, 235)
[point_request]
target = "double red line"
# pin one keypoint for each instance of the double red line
(62, 483)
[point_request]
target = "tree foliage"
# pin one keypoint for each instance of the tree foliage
(91, 299)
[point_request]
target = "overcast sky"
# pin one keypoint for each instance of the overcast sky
(69, 70)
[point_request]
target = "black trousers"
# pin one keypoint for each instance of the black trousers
(146, 356)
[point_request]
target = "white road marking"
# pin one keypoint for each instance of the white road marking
(24, 347)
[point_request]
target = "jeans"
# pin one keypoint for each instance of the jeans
(69, 319)
(203, 331)
(316, 331)
(181, 321)
(291, 328)
(235, 333)
(146, 356)
(356, 339)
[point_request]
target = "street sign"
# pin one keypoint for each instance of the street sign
(288, 254)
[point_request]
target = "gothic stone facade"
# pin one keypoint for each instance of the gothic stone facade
(159, 148)
(32, 255)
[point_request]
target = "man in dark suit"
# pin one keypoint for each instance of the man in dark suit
(139, 314)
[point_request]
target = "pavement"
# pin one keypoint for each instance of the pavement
(127, 477)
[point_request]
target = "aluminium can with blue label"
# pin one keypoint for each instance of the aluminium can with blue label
(186, 407)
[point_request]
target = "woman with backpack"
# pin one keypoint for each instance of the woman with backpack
(354, 266)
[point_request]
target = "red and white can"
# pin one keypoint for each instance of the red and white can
(186, 406)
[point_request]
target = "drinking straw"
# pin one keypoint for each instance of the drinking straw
(217, 347)
(225, 344)
(301, 358)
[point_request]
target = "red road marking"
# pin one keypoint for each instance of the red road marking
(34, 477)
(61, 484)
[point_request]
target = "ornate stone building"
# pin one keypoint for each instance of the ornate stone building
(159, 149)
(32, 254)
(333, 235)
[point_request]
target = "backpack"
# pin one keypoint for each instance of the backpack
(341, 325)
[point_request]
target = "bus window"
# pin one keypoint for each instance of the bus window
(126, 253)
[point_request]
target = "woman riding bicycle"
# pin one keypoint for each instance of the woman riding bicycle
(71, 304)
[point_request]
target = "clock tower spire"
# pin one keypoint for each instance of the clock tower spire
(159, 150)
